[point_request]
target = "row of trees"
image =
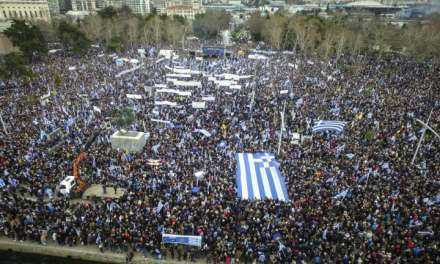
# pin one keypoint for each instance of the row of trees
(32, 43)
(115, 28)
(343, 34)
(118, 29)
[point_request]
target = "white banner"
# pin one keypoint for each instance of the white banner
(134, 96)
(199, 105)
(203, 131)
(174, 91)
(208, 98)
(187, 83)
(165, 103)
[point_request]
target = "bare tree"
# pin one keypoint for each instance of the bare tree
(273, 31)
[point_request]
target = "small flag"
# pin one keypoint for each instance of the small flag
(96, 109)
(69, 122)
(199, 174)
(153, 162)
(342, 194)
(203, 131)
(13, 182)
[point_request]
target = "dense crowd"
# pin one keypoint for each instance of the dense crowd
(389, 213)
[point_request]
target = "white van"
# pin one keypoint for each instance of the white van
(66, 185)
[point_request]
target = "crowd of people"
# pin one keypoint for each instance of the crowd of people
(389, 210)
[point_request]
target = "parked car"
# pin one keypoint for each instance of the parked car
(67, 185)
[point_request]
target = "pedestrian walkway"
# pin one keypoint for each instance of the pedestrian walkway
(97, 190)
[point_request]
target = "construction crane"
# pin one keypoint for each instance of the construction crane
(80, 183)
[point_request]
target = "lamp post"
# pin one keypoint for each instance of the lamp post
(3, 124)
(281, 128)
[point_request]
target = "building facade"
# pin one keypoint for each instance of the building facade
(141, 7)
(185, 8)
(65, 5)
(84, 5)
(186, 11)
(113, 3)
(54, 7)
(159, 6)
(24, 10)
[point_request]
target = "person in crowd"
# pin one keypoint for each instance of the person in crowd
(389, 213)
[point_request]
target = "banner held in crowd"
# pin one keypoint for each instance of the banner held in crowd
(134, 96)
(208, 98)
(203, 131)
(199, 105)
(183, 240)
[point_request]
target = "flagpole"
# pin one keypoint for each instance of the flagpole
(252, 100)
(3, 124)
(428, 127)
(281, 128)
(421, 139)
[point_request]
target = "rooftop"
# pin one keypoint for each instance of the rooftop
(367, 4)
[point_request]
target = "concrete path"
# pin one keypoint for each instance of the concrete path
(96, 190)
(87, 253)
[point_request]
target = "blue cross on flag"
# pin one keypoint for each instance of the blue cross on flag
(259, 177)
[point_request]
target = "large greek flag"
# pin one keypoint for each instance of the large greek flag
(259, 177)
(325, 125)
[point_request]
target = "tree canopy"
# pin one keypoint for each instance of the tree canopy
(72, 38)
(14, 65)
(210, 24)
(123, 117)
(28, 38)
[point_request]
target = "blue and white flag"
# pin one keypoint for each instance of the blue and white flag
(342, 194)
(203, 131)
(259, 177)
(159, 207)
(325, 125)
(13, 182)
(184, 240)
(69, 122)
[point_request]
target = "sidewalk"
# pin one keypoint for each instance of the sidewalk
(87, 253)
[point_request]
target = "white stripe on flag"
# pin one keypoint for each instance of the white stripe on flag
(254, 180)
(276, 180)
(266, 185)
(244, 187)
